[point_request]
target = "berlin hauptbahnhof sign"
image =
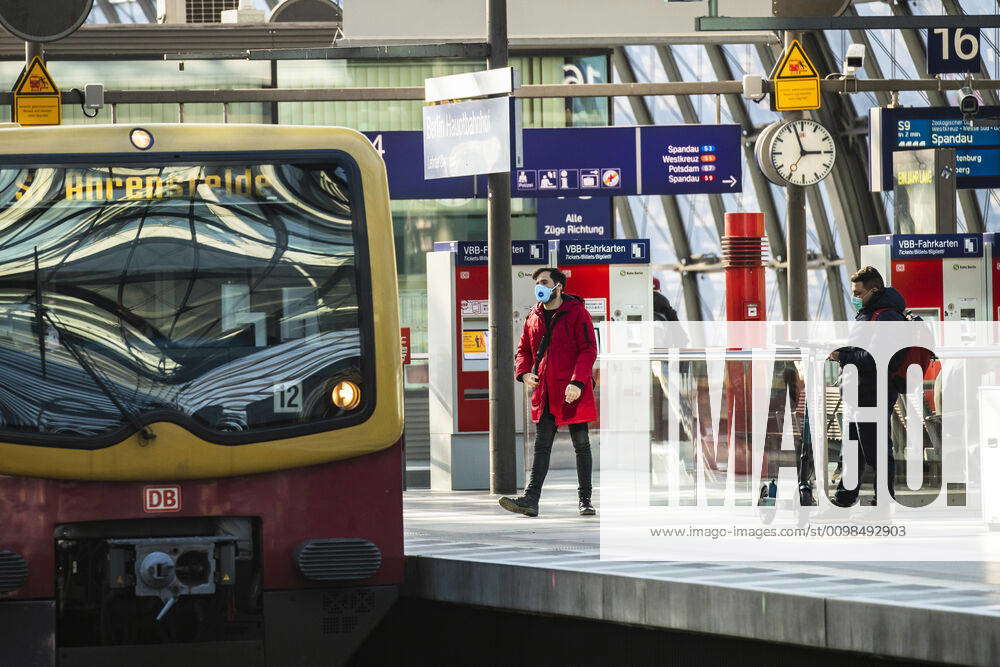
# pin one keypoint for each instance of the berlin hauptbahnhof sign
(977, 147)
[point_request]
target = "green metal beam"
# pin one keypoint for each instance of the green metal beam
(727, 23)
(471, 51)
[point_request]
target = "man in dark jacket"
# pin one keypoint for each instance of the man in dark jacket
(662, 310)
(875, 303)
(555, 357)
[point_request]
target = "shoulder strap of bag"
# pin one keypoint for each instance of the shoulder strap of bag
(543, 345)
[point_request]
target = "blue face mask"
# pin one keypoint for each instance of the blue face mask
(543, 293)
(857, 302)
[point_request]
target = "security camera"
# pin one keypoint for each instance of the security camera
(753, 87)
(968, 103)
(855, 58)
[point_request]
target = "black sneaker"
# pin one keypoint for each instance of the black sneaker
(806, 498)
(586, 509)
(520, 505)
(844, 499)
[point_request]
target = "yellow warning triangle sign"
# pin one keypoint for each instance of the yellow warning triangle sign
(795, 64)
(35, 80)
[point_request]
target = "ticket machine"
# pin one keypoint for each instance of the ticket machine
(458, 360)
(943, 277)
(614, 280)
(611, 276)
(992, 253)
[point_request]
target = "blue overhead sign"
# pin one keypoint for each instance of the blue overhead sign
(585, 162)
(574, 217)
(403, 152)
(977, 149)
(691, 159)
(614, 161)
(577, 162)
(931, 246)
(473, 253)
(620, 251)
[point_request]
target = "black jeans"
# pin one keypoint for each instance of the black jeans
(867, 435)
(544, 435)
(805, 453)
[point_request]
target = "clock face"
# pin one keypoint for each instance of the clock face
(800, 152)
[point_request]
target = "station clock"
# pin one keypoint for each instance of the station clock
(796, 152)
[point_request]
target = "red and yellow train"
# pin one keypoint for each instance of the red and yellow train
(200, 395)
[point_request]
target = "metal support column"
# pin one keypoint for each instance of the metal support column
(795, 233)
(915, 46)
(503, 473)
(148, 8)
(857, 211)
(626, 218)
(761, 186)
(675, 220)
(110, 13)
(829, 249)
(688, 113)
(32, 49)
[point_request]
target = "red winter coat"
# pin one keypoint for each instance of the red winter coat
(570, 357)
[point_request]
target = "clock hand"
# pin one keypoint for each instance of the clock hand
(799, 139)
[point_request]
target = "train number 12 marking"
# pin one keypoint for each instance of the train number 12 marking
(288, 398)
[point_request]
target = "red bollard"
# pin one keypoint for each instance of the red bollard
(743, 259)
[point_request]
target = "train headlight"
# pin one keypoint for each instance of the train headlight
(346, 395)
(141, 139)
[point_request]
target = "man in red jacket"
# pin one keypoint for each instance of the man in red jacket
(555, 357)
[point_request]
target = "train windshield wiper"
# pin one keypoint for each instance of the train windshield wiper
(144, 432)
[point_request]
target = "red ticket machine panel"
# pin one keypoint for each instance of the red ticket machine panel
(472, 312)
(941, 276)
(993, 256)
(468, 351)
(611, 276)
(590, 283)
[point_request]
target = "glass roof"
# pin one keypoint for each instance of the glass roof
(890, 55)
(893, 58)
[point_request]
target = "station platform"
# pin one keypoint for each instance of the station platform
(462, 548)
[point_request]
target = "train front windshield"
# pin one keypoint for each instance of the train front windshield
(228, 298)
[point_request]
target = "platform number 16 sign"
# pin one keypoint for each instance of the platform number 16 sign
(953, 51)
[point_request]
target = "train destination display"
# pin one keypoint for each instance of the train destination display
(976, 143)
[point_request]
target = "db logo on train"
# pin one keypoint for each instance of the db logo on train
(161, 498)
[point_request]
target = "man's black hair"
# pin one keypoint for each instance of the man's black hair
(869, 277)
(555, 274)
